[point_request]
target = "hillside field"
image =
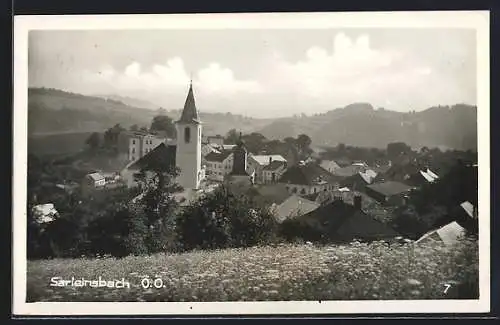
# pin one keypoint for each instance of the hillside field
(57, 144)
(284, 272)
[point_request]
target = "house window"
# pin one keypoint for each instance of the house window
(133, 141)
(187, 134)
(315, 190)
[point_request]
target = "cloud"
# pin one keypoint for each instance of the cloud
(216, 79)
(266, 80)
(167, 82)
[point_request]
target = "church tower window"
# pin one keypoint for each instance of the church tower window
(187, 134)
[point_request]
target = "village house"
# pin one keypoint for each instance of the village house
(207, 148)
(329, 165)
(273, 171)
(140, 143)
(447, 235)
(360, 180)
(341, 222)
(294, 206)
(272, 194)
(258, 162)
(348, 171)
(92, 182)
(44, 213)
(304, 179)
(389, 193)
(163, 155)
(218, 165)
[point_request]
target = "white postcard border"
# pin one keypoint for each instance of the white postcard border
(478, 20)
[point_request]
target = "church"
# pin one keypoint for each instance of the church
(185, 154)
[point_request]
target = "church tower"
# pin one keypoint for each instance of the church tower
(188, 152)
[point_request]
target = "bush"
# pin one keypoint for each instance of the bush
(221, 220)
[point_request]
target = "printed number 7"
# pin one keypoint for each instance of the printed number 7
(447, 287)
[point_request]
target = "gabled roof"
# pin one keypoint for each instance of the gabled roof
(307, 174)
(190, 112)
(274, 165)
(429, 175)
(468, 208)
(218, 156)
(162, 155)
(448, 234)
(271, 193)
(329, 164)
(341, 221)
(390, 188)
(263, 160)
(348, 171)
(368, 176)
(294, 206)
(96, 176)
(44, 212)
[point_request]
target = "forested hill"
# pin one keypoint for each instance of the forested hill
(362, 125)
(57, 111)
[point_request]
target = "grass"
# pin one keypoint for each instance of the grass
(286, 272)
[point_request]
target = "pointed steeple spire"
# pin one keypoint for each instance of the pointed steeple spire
(190, 112)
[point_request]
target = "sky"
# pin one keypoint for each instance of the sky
(262, 72)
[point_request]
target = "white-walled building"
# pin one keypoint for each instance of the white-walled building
(218, 165)
(273, 171)
(142, 143)
(304, 179)
(258, 162)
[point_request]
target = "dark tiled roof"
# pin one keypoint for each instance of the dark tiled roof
(162, 155)
(190, 112)
(348, 171)
(308, 174)
(342, 221)
(219, 157)
(389, 188)
(271, 193)
(274, 165)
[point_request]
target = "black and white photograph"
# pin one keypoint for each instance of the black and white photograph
(252, 163)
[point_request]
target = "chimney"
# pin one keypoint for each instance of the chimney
(357, 202)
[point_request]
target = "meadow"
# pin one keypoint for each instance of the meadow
(357, 271)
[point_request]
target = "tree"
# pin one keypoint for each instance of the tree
(254, 142)
(157, 206)
(111, 136)
(396, 149)
(134, 127)
(232, 137)
(303, 144)
(222, 219)
(164, 124)
(93, 141)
